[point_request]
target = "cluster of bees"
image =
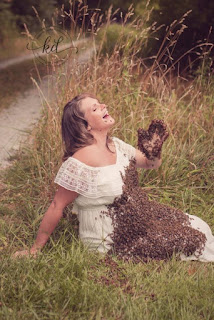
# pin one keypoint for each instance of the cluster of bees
(150, 141)
(145, 229)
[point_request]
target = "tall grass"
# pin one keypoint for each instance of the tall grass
(67, 281)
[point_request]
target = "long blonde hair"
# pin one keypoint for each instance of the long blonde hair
(74, 127)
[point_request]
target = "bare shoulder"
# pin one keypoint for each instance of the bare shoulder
(86, 155)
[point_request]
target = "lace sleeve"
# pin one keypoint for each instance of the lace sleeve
(75, 176)
(126, 148)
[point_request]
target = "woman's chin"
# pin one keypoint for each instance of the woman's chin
(109, 120)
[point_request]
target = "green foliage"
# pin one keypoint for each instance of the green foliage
(112, 35)
(199, 20)
(141, 7)
(128, 40)
(199, 23)
(7, 21)
(25, 13)
(123, 5)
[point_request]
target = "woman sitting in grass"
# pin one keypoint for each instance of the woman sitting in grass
(115, 216)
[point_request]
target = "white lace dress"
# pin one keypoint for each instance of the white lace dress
(98, 187)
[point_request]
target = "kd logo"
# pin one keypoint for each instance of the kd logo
(54, 48)
(52, 45)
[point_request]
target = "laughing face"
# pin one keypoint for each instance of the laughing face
(96, 114)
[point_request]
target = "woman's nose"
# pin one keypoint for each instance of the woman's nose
(103, 106)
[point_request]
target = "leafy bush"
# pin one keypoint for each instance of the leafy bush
(125, 38)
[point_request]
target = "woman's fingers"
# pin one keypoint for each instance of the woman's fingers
(165, 136)
(143, 134)
(24, 253)
(159, 127)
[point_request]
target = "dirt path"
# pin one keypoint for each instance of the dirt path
(18, 119)
(30, 56)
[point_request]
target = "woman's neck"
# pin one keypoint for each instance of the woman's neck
(100, 139)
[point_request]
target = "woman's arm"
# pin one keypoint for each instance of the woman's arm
(50, 220)
(143, 162)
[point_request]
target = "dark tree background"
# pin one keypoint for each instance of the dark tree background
(23, 10)
(199, 22)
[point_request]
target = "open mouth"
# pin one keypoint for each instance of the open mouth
(106, 116)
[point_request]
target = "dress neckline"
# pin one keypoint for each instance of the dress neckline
(95, 168)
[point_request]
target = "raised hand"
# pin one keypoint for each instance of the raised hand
(150, 141)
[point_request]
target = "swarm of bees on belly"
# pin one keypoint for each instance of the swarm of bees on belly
(145, 229)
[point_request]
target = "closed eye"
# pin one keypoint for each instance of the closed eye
(94, 109)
